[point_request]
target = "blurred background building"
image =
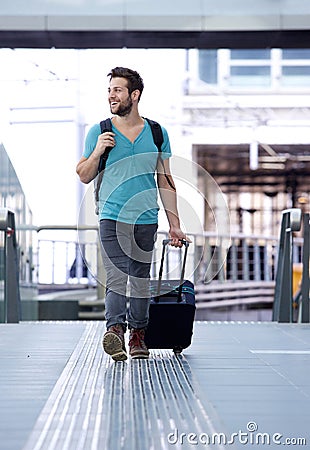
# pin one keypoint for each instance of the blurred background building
(229, 81)
(248, 114)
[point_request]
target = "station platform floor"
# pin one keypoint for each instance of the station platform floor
(240, 385)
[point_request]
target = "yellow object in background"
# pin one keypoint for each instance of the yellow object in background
(297, 274)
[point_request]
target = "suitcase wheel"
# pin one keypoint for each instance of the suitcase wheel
(177, 350)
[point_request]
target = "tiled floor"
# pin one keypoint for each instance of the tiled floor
(240, 385)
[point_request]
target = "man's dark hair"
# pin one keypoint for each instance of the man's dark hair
(134, 81)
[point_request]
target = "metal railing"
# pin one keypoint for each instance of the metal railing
(235, 258)
(304, 313)
(75, 261)
(283, 308)
(69, 257)
(10, 267)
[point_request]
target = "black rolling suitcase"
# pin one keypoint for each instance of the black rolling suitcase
(172, 309)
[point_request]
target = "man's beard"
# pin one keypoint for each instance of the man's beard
(124, 109)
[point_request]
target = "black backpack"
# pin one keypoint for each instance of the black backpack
(106, 125)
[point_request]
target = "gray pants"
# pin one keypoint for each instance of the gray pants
(127, 256)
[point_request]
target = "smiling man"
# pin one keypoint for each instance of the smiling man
(128, 209)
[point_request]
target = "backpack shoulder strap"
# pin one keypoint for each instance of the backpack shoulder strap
(157, 133)
(105, 125)
(158, 138)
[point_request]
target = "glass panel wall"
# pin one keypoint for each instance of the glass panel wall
(13, 198)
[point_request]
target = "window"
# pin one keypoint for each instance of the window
(255, 68)
(295, 67)
(295, 76)
(250, 76)
(208, 66)
(250, 68)
(297, 53)
(250, 54)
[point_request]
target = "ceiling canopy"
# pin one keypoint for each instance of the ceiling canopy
(160, 24)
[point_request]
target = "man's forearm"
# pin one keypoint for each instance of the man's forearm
(168, 197)
(87, 169)
(169, 201)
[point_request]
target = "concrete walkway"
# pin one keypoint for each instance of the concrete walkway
(240, 385)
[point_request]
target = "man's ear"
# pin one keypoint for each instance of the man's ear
(135, 94)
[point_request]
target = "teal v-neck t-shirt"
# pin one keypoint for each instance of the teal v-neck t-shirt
(128, 192)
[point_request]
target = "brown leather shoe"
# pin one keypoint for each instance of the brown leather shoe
(137, 347)
(114, 343)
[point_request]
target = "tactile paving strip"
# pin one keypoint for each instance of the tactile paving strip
(136, 404)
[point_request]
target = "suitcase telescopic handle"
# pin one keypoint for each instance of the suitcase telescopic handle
(183, 241)
(165, 243)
